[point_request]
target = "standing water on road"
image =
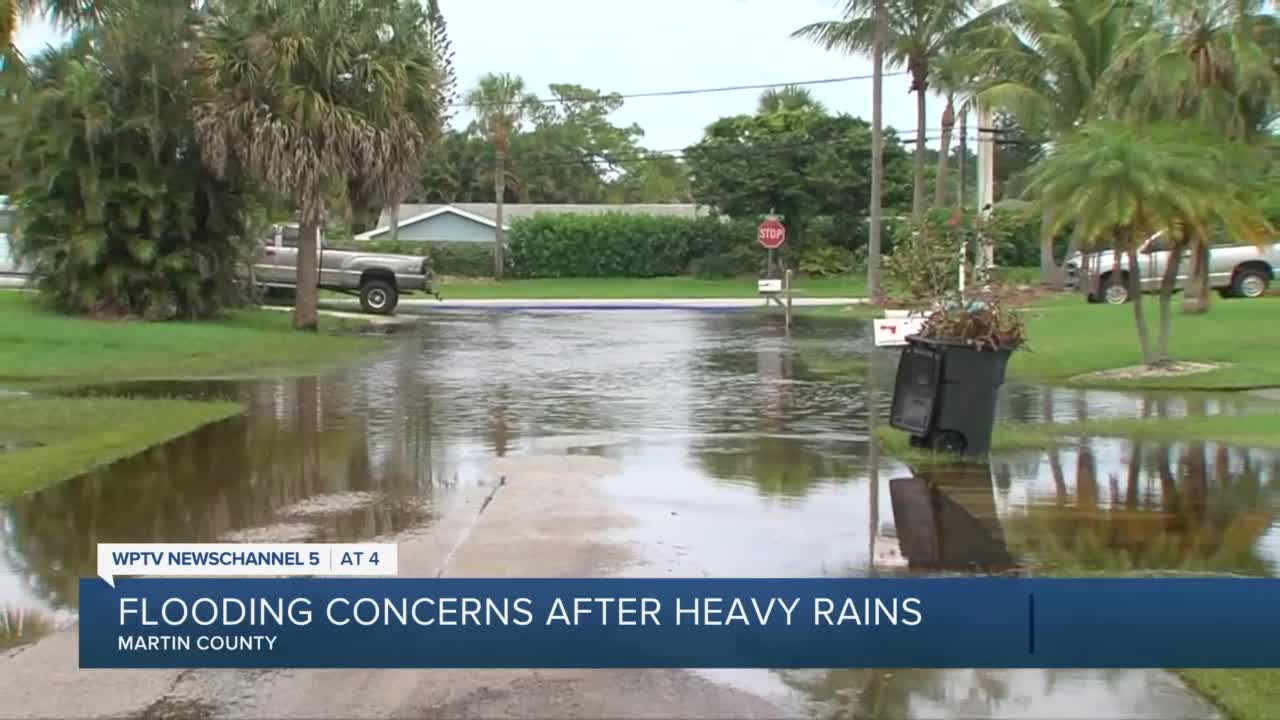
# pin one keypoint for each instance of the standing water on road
(744, 451)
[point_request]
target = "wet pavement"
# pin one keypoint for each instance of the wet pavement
(733, 449)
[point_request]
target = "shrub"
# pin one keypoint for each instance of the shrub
(619, 245)
(827, 260)
(741, 260)
(926, 256)
(1017, 227)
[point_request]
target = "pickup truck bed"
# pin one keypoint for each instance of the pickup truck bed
(378, 278)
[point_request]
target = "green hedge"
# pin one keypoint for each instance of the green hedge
(621, 245)
(471, 259)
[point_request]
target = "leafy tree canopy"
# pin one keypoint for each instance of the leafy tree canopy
(799, 163)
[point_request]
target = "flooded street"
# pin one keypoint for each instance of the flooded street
(732, 448)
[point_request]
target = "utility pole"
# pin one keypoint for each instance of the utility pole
(964, 152)
(877, 155)
(986, 177)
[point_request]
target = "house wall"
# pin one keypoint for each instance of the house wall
(445, 227)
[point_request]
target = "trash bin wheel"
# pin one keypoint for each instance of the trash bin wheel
(948, 441)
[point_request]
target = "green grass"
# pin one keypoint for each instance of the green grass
(38, 346)
(1069, 338)
(614, 288)
(1259, 431)
(1241, 694)
(75, 435)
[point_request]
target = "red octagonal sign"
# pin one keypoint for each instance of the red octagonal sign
(771, 233)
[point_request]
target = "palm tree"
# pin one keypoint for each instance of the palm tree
(1123, 183)
(951, 78)
(500, 103)
(916, 35)
(68, 14)
(789, 97)
(118, 215)
(1041, 62)
(314, 97)
(1211, 61)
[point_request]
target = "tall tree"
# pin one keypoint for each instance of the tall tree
(118, 214)
(67, 14)
(788, 97)
(315, 97)
(951, 79)
(1212, 62)
(1120, 184)
(500, 104)
(1041, 62)
(916, 34)
(802, 164)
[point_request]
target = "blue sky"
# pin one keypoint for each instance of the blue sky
(655, 45)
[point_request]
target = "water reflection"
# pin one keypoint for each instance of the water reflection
(744, 451)
(946, 520)
(1117, 505)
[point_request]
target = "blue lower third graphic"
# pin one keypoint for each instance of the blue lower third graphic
(617, 623)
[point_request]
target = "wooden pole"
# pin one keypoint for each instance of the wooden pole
(877, 163)
(787, 290)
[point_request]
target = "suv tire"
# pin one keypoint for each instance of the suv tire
(1250, 283)
(378, 296)
(1115, 289)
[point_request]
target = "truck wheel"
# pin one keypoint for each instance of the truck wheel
(1250, 283)
(379, 296)
(1115, 290)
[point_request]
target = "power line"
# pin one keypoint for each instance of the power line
(714, 152)
(639, 155)
(693, 91)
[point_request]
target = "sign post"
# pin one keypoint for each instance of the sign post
(771, 234)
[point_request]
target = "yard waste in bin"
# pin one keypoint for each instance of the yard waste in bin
(945, 394)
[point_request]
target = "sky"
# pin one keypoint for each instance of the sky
(652, 46)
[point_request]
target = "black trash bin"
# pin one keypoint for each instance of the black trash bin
(945, 395)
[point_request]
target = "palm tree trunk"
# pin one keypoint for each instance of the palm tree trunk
(305, 316)
(944, 148)
(1048, 266)
(1059, 278)
(917, 198)
(1135, 295)
(877, 155)
(1196, 298)
(395, 221)
(1167, 283)
(499, 190)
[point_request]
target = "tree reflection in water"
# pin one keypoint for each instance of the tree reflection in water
(301, 439)
(1191, 507)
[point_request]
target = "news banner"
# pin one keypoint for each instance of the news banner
(342, 606)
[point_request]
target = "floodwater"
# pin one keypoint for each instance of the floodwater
(744, 451)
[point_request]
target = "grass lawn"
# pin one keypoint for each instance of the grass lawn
(1068, 337)
(74, 435)
(38, 346)
(1242, 694)
(613, 288)
(1262, 431)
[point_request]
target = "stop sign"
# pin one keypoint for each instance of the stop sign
(771, 234)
